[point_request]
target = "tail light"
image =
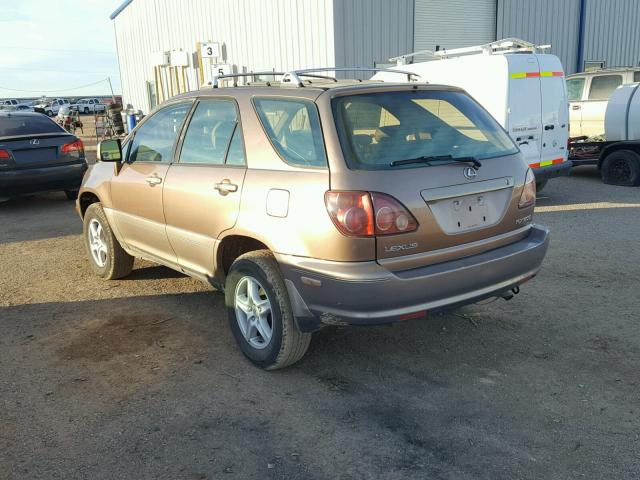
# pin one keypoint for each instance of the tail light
(5, 156)
(75, 148)
(528, 196)
(364, 214)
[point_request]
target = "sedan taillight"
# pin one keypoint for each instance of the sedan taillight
(364, 214)
(4, 155)
(75, 148)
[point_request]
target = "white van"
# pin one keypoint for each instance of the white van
(523, 89)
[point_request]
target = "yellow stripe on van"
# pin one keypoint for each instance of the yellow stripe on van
(519, 75)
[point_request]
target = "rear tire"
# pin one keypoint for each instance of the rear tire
(108, 260)
(86, 110)
(71, 194)
(286, 344)
(621, 167)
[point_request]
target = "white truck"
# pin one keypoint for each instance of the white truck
(523, 88)
(89, 105)
(618, 155)
(51, 107)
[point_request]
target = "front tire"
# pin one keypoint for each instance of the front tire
(86, 110)
(107, 258)
(621, 167)
(260, 314)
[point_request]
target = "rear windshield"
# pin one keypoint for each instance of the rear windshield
(27, 125)
(379, 128)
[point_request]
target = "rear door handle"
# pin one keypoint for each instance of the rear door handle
(575, 107)
(225, 187)
(549, 127)
(153, 180)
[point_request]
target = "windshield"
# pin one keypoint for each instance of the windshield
(27, 125)
(378, 129)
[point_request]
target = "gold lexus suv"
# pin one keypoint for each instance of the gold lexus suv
(313, 201)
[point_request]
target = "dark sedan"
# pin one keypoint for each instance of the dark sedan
(37, 155)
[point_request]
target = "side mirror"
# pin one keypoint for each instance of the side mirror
(110, 151)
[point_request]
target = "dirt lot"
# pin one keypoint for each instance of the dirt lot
(140, 378)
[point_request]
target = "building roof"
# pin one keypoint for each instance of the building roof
(122, 6)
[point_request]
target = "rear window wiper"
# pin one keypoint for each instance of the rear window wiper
(425, 159)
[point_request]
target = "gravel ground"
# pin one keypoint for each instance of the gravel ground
(140, 378)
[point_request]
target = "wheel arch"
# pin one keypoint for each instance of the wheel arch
(231, 247)
(85, 199)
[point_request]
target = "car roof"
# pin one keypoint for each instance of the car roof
(310, 90)
(21, 113)
(605, 70)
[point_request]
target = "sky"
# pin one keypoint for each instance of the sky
(52, 47)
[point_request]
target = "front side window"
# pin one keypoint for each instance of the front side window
(603, 86)
(154, 139)
(294, 129)
(574, 89)
(378, 129)
(213, 136)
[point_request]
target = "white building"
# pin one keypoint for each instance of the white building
(158, 41)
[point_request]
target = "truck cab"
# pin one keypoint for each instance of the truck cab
(588, 94)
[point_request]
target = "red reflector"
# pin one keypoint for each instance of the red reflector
(409, 316)
(72, 147)
(4, 155)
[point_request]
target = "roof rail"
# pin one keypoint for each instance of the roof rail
(506, 45)
(294, 76)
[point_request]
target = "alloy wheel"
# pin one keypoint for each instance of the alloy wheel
(253, 312)
(97, 243)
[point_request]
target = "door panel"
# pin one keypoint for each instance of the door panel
(136, 194)
(524, 117)
(555, 110)
(594, 108)
(202, 191)
(196, 212)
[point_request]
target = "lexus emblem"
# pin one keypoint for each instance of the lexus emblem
(470, 173)
(35, 141)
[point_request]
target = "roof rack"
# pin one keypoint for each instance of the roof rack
(295, 76)
(506, 45)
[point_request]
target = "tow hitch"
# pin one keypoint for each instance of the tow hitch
(509, 295)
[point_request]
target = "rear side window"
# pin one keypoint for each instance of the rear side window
(378, 129)
(294, 129)
(154, 139)
(27, 125)
(636, 77)
(574, 89)
(603, 86)
(213, 136)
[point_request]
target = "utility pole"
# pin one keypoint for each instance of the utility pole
(113, 97)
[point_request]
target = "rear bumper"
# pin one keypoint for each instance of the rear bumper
(26, 181)
(552, 171)
(364, 293)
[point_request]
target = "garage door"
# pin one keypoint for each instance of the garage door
(453, 23)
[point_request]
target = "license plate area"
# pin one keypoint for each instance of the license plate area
(471, 212)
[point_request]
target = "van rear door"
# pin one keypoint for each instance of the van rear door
(524, 115)
(555, 111)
